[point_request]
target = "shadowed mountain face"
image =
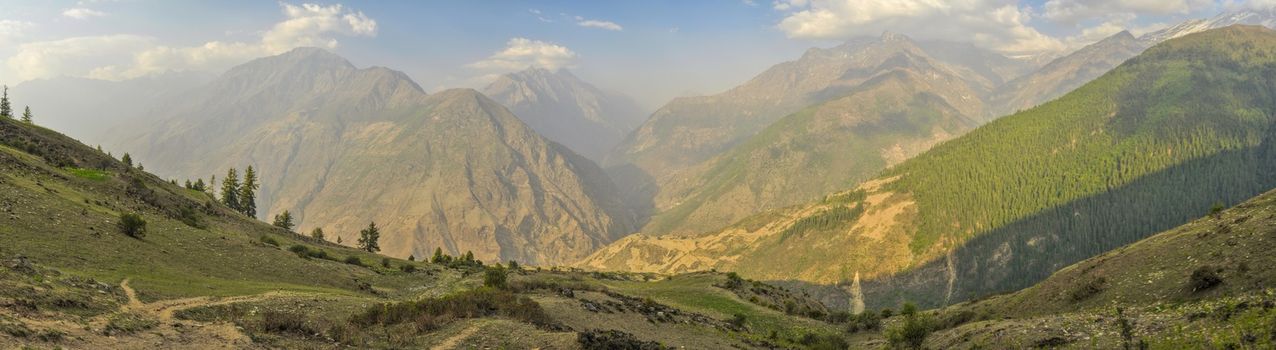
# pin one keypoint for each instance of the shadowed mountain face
(340, 147)
(1141, 149)
(567, 110)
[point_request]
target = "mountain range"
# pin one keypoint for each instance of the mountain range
(339, 147)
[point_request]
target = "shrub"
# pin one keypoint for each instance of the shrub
(495, 277)
(823, 342)
(1088, 289)
(269, 240)
(385, 262)
(409, 268)
(1205, 277)
(354, 260)
(734, 281)
(887, 313)
(738, 320)
(913, 331)
(866, 321)
(132, 225)
(285, 322)
(300, 250)
(613, 339)
(128, 323)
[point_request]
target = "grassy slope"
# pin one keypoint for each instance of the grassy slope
(1151, 280)
(59, 201)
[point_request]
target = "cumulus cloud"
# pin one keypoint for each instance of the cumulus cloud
(128, 56)
(1072, 11)
(593, 23)
(520, 53)
(997, 24)
(82, 13)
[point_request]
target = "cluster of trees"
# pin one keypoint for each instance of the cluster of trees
(464, 260)
(6, 110)
(241, 197)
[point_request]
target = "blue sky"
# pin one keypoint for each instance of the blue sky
(652, 50)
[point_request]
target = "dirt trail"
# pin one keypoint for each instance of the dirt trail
(453, 341)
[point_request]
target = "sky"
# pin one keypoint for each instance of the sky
(652, 50)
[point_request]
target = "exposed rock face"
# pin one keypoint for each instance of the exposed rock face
(340, 147)
(567, 110)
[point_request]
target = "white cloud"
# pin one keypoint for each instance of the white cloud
(1072, 11)
(593, 23)
(521, 53)
(129, 56)
(11, 30)
(82, 13)
(997, 24)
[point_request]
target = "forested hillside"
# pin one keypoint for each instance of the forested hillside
(1152, 144)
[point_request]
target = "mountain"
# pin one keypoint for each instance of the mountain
(906, 104)
(1066, 73)
(567, 110)
(696, 150)
(89, 109)
(1144, 148)
(1260, 17)
(202, 276)
(340, 147)
(1198, 279)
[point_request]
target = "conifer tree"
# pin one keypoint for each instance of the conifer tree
(368, 238)
(230, 190)
(284, 220)
(411, 257)
(248, 193)
(5, 110)
(26, 115)
(317, 233)
(127, 160)
(438, 256)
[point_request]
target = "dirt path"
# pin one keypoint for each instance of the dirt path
(133, 303)
(453, 341)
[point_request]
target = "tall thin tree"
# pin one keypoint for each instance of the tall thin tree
(26, 115)
(368, 238)
(230, 190)
(5, 110)
(248, 193)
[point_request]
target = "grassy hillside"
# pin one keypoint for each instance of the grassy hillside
(1151, 145)
(1200, 285)
(203, 276)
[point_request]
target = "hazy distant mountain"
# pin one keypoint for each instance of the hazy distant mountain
(1266, 18)
(1066, 73)
(341, 147)
(901, 106)
(710, 160)
(567, 110)
(88, 109)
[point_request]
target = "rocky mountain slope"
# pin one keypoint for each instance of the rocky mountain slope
(682, 155)
(1144, 148)
(340, 147)
(1066, 73)
(567, 110)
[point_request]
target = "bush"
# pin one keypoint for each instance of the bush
(823, 342)
(269, 240)
(866, 321)
(913, 331)
(734, 281)
(300, 250)
(1088, 289)
(132, 225)
(495, 277)
(285, 322)
(433, 312)
(409, 268)
(354, 260)
(385, 262)
(1204, 278)
(612, 339)
(738, 320)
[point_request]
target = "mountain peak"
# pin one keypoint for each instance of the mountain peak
(889, 36)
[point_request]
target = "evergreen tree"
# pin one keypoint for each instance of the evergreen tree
(26, 115)
(127, 160)
(411, 257)
(338, 239)
(188, 184)
(5, 110)
(438, 256)
(230, 190)
(317, 233)
(284, 220)
(248, 193)
(199, 185)
(469, 256)
(368, 238)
